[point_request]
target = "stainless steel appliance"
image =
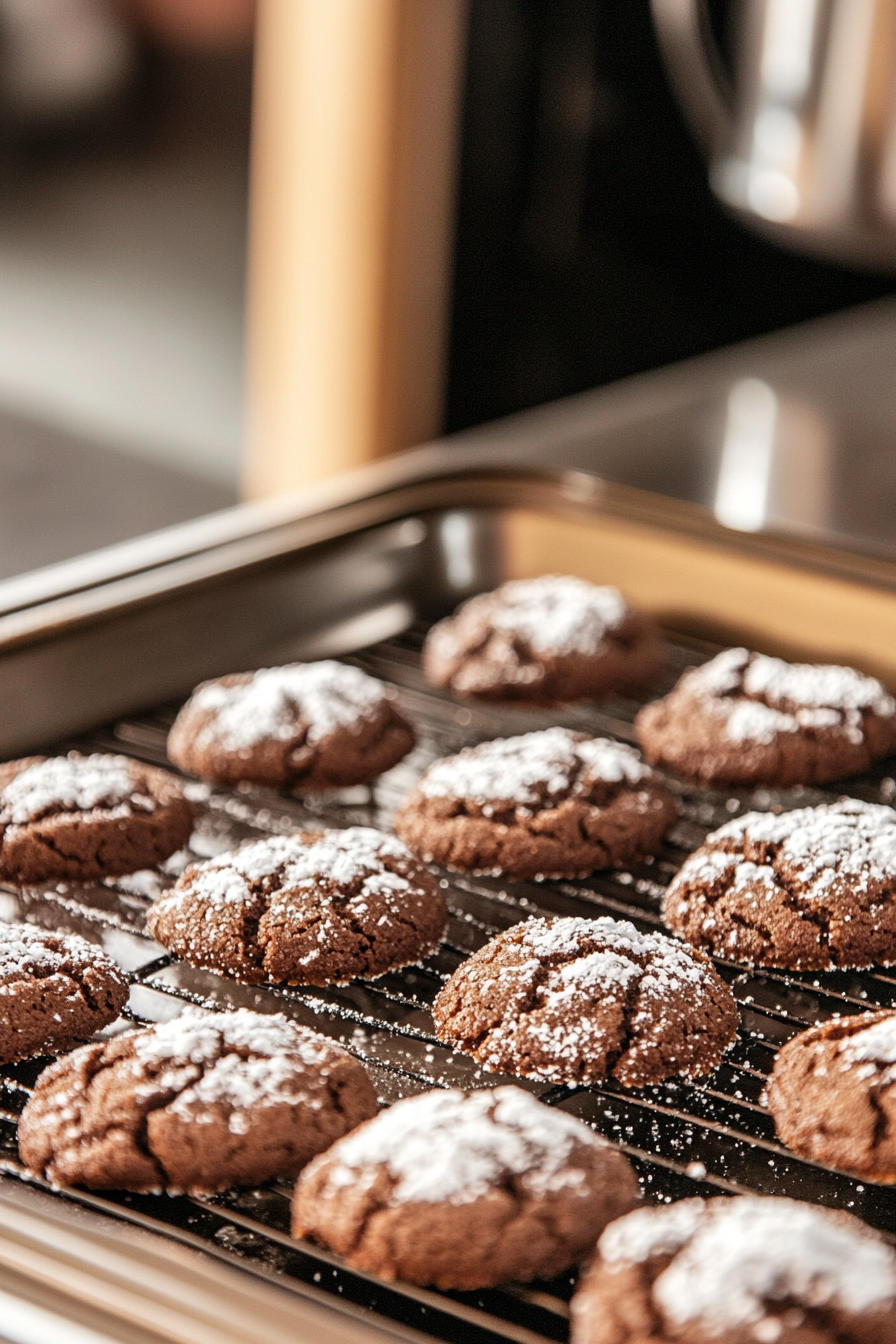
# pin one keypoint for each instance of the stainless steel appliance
(804, 143)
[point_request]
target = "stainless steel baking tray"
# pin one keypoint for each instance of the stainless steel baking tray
(98, 657)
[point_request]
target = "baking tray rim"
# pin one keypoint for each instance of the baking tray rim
(235, 542)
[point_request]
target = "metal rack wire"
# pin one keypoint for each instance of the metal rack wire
(708, 1138)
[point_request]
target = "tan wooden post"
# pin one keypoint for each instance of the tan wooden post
(351, 230)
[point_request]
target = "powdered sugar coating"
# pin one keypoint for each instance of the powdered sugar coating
(339, 857)
(451, 1146)
(549, 640)
(71, 783)
(247, 1059)
(569, 1000)
(325, 696)
(520, 769)
(759, 697)
(661, 968)
(318, 908)
(822, 845)
(557, 614)
(752, 721)
(197, 1037)
(809, 889)
(638, 1236)
(819, 685)
(26, 950)
(736, 1260)
(200, 1103)
(875, 1045)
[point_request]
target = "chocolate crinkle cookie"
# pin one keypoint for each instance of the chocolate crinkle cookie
(807, 890)
(307, 726)
(83, 817)
(55, 989)
(833, 1094)
(581, 1000)
(547, 804)
(544, 641)
(745, 719)
(200, 1103)
(737, 1271)
(464, 1190)
(312, 909)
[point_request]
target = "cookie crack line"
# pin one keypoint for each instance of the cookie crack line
(631, 991)
(310, 908)
(47, 842)
(86, 994)
(813, 914)
(140, 1133)
(881, 1130)
(249, 929)
(628, 1037)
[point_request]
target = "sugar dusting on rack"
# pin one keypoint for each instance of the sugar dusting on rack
(720, 1131)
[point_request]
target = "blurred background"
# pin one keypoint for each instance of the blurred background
(582, 241)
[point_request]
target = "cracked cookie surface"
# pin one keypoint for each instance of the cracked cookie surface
(747, 1270)
(200, 1103)
(743, 718)
(317, 909)
(305, 726)
(580, 1000)
(83, 817)
(832, 1093)
(544, 641)
(464, 1190)
(55, 989)
(811, 889)
(553, 803)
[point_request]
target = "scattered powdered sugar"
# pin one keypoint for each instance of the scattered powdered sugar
(557, 614)
(875, 1045)
(518, 769)
(324, 696)
(737, 1257)
(455, 1146)
(355, 855)
(24, 947)
(823, 844)
(145, 882)
(72, 783)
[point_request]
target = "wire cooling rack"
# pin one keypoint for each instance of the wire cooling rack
(708, 1138)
